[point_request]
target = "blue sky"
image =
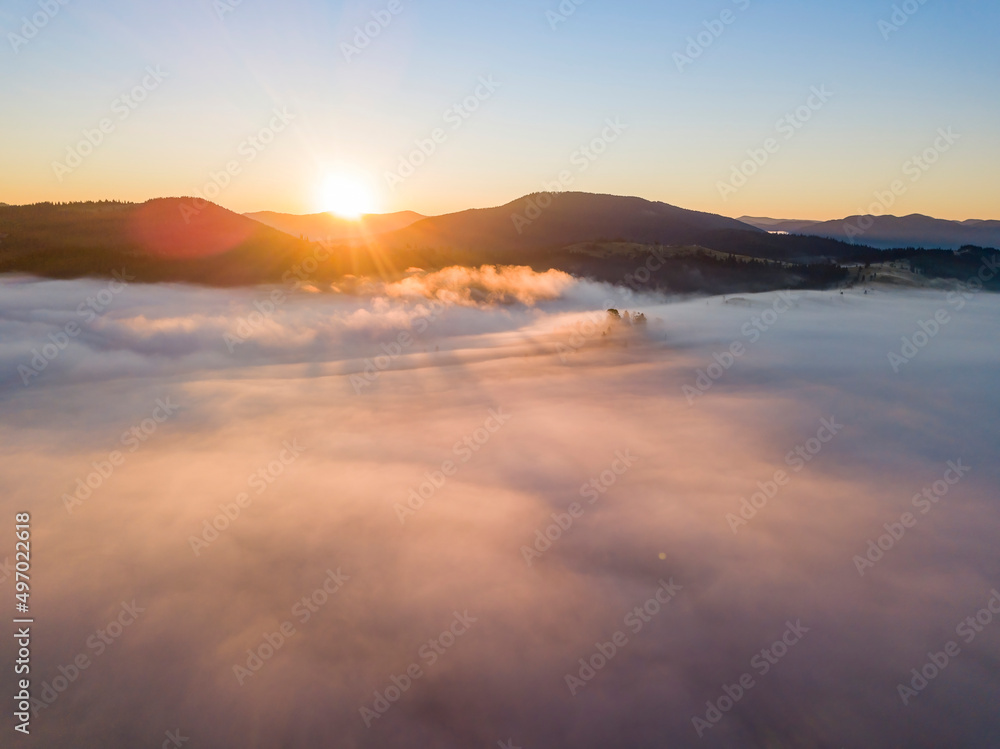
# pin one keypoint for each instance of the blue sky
(228, 68)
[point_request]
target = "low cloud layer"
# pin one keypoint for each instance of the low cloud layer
(473, 493)
(461, 285)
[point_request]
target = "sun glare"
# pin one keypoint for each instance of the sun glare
(347, 197)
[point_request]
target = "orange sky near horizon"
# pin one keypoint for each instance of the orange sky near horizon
(930, 196)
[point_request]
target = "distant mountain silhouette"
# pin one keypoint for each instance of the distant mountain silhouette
(602, 237)
(166, 239)
(886, 232)
(548, 221)
(319, 226)
(792, 226)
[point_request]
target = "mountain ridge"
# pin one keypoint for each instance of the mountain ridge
(889, 231)
(544, 220)
(602, 237)
(326, 226)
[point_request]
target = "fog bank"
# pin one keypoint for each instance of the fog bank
(483, 488)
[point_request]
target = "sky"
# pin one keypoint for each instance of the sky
(309, 111)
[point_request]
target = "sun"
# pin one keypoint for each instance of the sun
(347, 197)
